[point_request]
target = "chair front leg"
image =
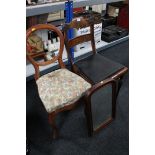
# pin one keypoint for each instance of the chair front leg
(88, 115)
(55, 132)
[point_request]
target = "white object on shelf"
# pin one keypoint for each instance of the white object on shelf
(30, 69)
(54, 40)
(58, 15)
(45, 45)
(88, 48)
(83, 31)
(52, 47)
(98, 46)
(48, 57)
(42, 34)
(99, 8)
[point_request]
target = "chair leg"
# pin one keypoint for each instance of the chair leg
(119, 85)
(87, 111)
(55, 132)
(114, 98)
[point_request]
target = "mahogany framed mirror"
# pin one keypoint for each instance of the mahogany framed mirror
(100, 107)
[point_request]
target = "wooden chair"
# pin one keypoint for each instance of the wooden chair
(61, 89)
(106, 72)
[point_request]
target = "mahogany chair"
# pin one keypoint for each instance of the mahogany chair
(107, 73)
(61, 89)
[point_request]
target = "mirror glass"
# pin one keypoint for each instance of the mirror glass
(101, 106)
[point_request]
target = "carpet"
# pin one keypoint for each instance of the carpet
(112, 140)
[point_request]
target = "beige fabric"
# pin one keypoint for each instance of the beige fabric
(36, 42)
(60, 88)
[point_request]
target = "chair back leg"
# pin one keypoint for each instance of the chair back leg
(55, 132)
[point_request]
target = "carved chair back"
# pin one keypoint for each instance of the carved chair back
(79, 23)
(31, 54)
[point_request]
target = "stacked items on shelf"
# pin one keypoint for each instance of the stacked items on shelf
(108, 20)
(45, 18)
(38, 2)
(115, 22)
(57, 19)
(34, 20)
(48, 40)
(46, 44)
(59, 15)
(97, 28)
(43, 45)
(113, 32)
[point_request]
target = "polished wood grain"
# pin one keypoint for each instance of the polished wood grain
(79, 40)
(88, 108)
(79, 23)
(31, 55)
(111, 79)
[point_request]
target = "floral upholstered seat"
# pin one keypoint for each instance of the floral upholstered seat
(60, 88)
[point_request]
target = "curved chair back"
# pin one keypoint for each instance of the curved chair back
(31, 54)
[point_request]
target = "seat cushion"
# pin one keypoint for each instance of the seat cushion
(99, 66)
(60, 88)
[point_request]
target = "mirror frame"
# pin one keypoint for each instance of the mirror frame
(88, 108)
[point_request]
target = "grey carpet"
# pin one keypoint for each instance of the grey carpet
(118, 53)
(112, 140)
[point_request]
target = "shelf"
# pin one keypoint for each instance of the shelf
(112, 43)
(57, 22)
(99, 47)
(81, 3)
(30, 69)
(44, 8)
(78, 55)
(57, 6)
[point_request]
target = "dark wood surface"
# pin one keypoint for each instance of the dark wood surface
(70, 43)
(31, 55)
(110, 79)
(76, 24)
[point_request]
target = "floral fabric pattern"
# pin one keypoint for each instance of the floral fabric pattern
(60, 88)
